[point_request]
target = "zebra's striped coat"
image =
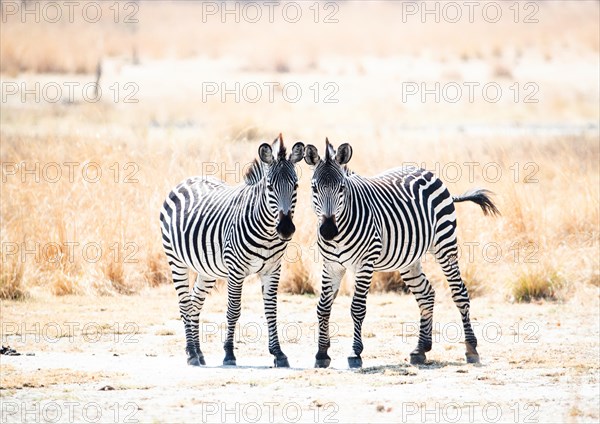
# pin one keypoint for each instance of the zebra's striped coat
(231, 232)
(401, 226)
(385, 223)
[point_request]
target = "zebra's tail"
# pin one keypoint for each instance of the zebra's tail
(482, 198)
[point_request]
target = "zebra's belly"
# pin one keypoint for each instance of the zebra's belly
(401, 251)
(397, 253)
(207, 260)
(218, 263)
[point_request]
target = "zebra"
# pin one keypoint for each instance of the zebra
(223, 231)
(384, 223)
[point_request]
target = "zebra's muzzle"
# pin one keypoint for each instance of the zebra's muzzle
(328, 228)
(285, 226)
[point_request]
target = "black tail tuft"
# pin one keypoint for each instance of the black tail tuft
(482, 198)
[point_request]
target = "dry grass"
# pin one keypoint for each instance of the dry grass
(388, 282)
(11, 280)
(561, 232)
(535, 283)
(548, 227)
(297, 278)
(473, 280)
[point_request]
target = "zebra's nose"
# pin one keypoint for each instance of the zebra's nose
(328, 228)
(285, 226)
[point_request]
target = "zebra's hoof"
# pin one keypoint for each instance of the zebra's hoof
(355, 362)
(472, 358)
(322, 363)
(417, 358)
(281, 362)
(471, 353)
(195, 361)
(201, 360)
(228, 362)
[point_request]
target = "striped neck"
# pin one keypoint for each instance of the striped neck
(262, 211)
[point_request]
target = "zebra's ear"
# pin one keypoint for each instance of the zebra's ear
(297, 153)
(311, 155)
(344, 154)
(265, 153)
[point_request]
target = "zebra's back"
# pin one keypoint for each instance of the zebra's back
(413, 211)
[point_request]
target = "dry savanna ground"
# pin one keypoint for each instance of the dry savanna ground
(539, 362)
(83, 181)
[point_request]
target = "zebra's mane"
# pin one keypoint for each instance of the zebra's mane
(257, 170)
(347, 171)
(282, 150)
(254, 173)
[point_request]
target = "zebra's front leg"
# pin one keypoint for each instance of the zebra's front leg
(234, 309)
(269, 291)
(423, 291)
(199, 292)
(332, 277)
(358, 311)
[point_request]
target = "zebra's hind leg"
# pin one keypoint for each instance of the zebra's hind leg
(460, 295)
(420, 287)
(201, 289)
(234, 309)
(269, 291)
(358, 310)
(186, 309)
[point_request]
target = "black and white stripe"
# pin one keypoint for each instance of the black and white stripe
(223, 231)
(384, 223)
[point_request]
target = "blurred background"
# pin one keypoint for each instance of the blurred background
(107, 106)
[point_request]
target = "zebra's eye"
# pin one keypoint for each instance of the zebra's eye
(342, 187)
(296, 186)
(314, 189)
(269, 187)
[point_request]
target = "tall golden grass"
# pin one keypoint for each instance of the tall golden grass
(545, 244)
(548, 228)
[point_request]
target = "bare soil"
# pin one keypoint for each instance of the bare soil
(122, 360)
